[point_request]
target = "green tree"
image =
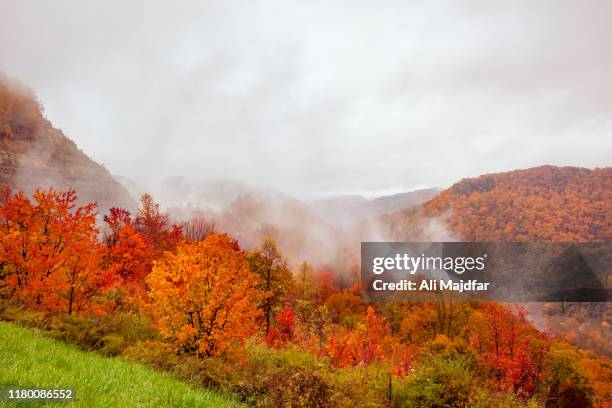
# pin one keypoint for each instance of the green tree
(567, 381)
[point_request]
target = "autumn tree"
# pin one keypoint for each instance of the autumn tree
(344, 306)
(306, 292)
(541, 204)
(304, 281)
(325, 283)
(197, 227)
(203, 296)
(515, 351)
(115, 221)
(125, 261)
(284, 330)
(155, 226)
(275, 279)
(449, 313)
(567, 380)
(5, 265)
(49, 249)
(368, 342)
(20, 110)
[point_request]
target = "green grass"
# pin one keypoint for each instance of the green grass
(28, 359)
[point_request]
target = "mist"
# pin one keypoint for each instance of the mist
(290, 118)
(305, 230)
(314, 99)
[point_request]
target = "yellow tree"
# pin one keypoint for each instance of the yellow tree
(203, 296)
(275, 278)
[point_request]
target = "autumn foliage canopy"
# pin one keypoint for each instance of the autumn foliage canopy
(49, 250)
(203, 295)
(206, 297)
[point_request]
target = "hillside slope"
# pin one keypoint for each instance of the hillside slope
(31, 360)
(35, 154)
(541, 204)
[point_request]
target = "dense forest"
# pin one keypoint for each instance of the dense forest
(543, 204)
(204, 308)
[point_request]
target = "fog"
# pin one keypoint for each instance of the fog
(318, 98)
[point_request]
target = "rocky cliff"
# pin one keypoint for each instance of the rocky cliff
(34, 154)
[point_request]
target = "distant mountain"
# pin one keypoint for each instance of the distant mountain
(342, 210)
(541, 204)
(398, 201)
(35, 154)
(346, 210)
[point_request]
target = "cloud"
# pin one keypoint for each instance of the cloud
(318, 97)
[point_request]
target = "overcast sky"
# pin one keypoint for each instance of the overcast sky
(320, 97)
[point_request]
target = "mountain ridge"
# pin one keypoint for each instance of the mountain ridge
(540, 204)
(35, 154)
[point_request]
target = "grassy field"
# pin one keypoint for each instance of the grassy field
(27, 359)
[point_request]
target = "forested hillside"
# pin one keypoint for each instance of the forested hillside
(543, 204)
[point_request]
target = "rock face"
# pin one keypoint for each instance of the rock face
(34, 154)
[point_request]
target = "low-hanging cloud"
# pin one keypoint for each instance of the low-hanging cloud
(317, 97)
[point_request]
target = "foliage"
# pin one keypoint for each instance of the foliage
(203, 296)
(49, 250)
(285, 330)
(343, 305)
(20, 110)
(125, 261)
(543, 204)
(148, 293)
(109, 334)
(439, 382)
(567, 381)
(155, 227)
(302, 389)
(514, 351)
(275, 280)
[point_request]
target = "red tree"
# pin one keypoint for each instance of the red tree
(49, 249)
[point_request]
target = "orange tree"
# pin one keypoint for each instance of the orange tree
(154, 226)
(513, 351)
(125, 261)
(49, 250)
(203, 296)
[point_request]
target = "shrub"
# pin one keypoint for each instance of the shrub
(152, 353)
(567, 381)
(438, 382)
(109, 334)
(444, 347)
(300, 390)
